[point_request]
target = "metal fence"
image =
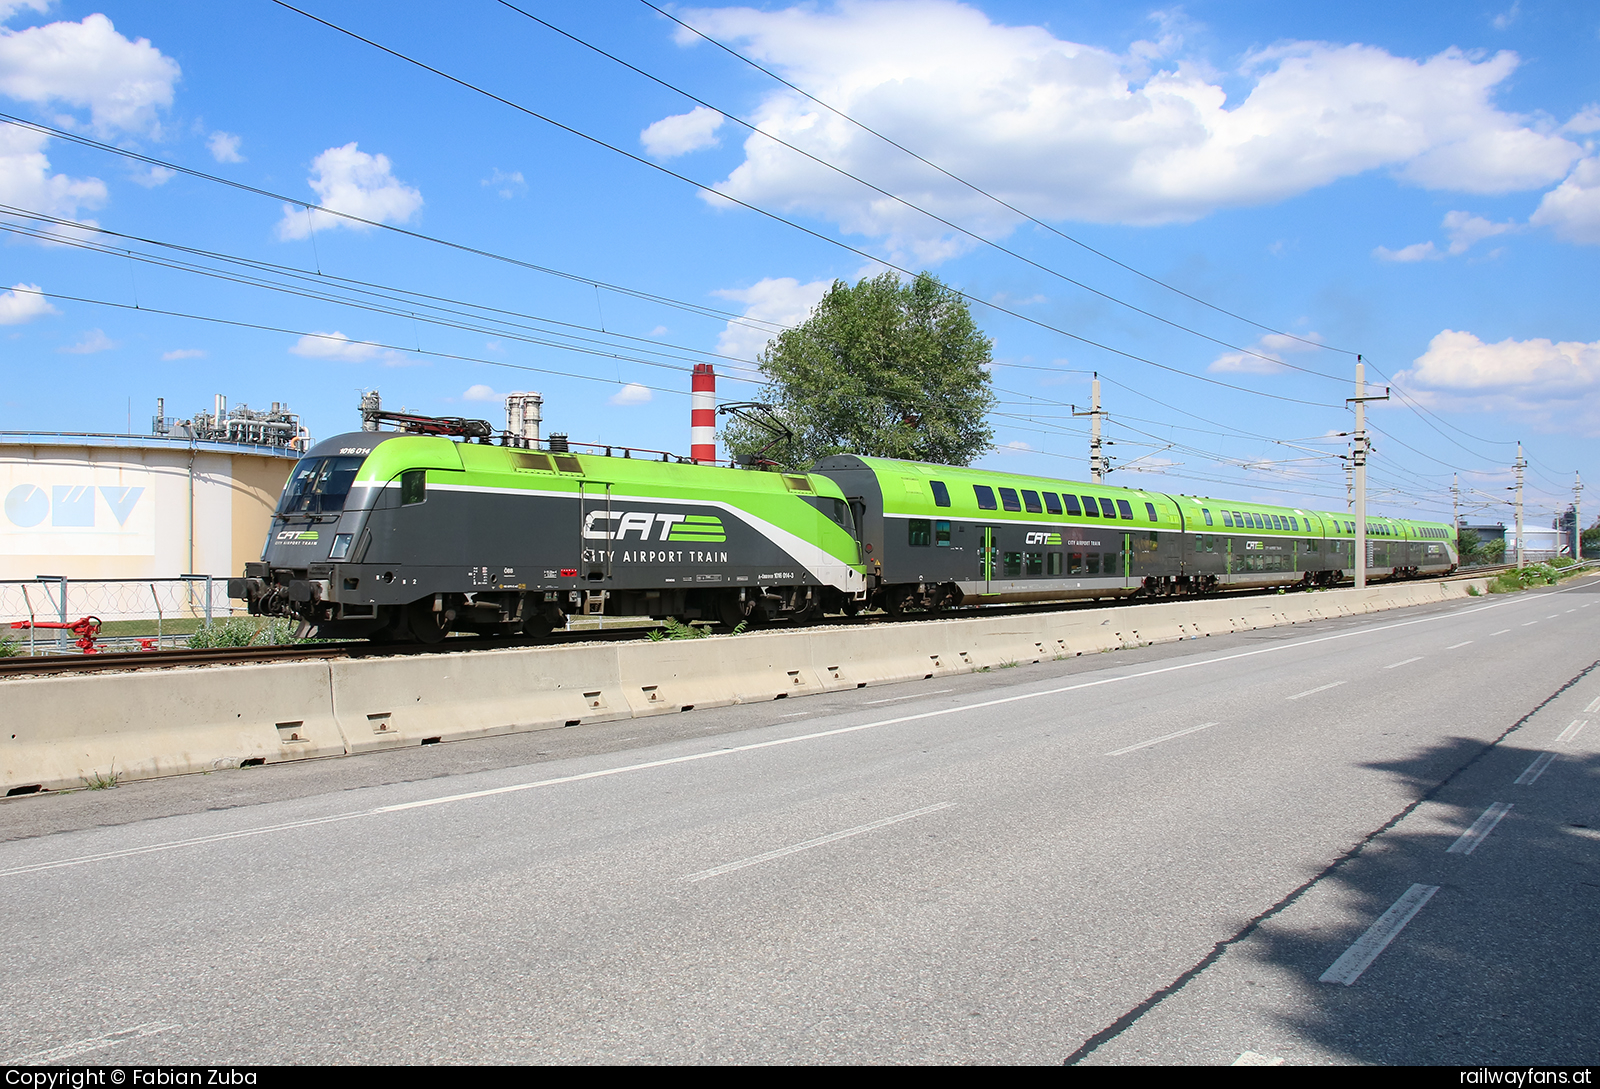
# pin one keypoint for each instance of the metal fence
(166, 603)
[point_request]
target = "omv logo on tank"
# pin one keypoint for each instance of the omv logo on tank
(76, 510)
(67, 505)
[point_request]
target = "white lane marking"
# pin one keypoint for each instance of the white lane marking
(1594, 705)
(1530, 624)
(1313, 692)
(648, 765)
(795, 714)
(1254, 1058)
(1453, 647)
(1355, 960)
(1535, 769)
(1502, 631)
(1469, 840)
(1572, 731)
(895, 699)
(1552, 616)
(1163, 737)
(832, 837)
(1408, 661)
(1572, 610)
(94, 1043)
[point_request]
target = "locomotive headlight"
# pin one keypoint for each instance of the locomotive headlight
(341, 546)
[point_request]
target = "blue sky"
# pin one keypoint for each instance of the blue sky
(1417, 183)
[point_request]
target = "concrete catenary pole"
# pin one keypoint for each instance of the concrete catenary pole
(1097, 458)
(1577, 516)
(1519, 467)
(703, 415)
(1358, 457)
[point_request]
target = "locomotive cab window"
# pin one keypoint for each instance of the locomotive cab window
(985, 496)
(413, 487)
(319, 486)
(941, 494)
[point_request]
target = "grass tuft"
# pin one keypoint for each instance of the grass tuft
(96, 781)
(239, 631)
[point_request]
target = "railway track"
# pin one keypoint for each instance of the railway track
(169, 659)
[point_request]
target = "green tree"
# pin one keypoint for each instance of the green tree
(1469, 545)
(884, 369)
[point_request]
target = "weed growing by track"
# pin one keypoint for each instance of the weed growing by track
(8, 648)
(240, 631)
(96, 781)
(1535, 574)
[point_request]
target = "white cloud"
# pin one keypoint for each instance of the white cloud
(8, 8)
(1273, 345)
(88, 65)
(1572, 209)
(780, 301)
(1070, 131)
(682, 133)
(347, 179)
(482, 393)
(632, 394)
(1506, 18)
(1555, 385)
(183, 353)
(22, 304)
(1467, 230)
(1417, 251)
(225, 147)
(153, 176)
(336, 345)
(91, 342)
(507, 185)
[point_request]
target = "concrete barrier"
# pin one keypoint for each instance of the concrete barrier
(65, 730)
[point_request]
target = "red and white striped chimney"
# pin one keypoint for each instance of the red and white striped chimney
(703, 415)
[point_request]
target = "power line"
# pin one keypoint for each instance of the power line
(983, 192)
(598, 142)
(980, 239)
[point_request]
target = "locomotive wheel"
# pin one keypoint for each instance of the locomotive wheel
(426, 625)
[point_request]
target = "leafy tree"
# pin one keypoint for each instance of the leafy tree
(1469, 545)
(884, 369)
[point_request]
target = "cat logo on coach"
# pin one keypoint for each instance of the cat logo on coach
(1044, 538)
(616, 525)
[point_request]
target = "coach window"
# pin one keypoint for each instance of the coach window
(1091, 506)
(1030, 501)
(1151, 509)
(918, 535)
(413, 487)
(1079, 567)
(941, 533)
(1072, 505)
(1052, 502)
(1013, 565)
(1125, 508)
(1211, 543)
(1009, 500)
(1053, 566)
(1075, 562)
(985, 496)
(1294, 523)
(1197, 546)
(1227, 520)
(1035, 564)
(1207, 513)
(941, 494)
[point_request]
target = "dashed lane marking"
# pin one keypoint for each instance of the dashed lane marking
(1408, 661)
(1253, 1058)
(1571, 732)
(1163, 737)
(94, 1043)
(1313, 692)
(1594, 705)
(1472, 837)
(832, 837)
(1502, 631)
(1535, 769)
(1355, 960)
(1458, 645)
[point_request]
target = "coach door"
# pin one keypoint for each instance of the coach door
(987, 555)
(597, 524)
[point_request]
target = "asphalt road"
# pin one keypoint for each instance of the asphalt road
(1374, 840)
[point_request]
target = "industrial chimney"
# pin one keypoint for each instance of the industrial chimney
(703, 415)
(523, 415)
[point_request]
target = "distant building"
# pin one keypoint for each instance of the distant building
(181, 501)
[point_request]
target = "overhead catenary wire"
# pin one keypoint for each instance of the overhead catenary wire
(983, 192)
(775, 217)
(936, 217)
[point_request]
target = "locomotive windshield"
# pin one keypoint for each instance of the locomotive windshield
(319, 486)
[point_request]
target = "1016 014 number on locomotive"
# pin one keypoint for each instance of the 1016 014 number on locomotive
(409, 537)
